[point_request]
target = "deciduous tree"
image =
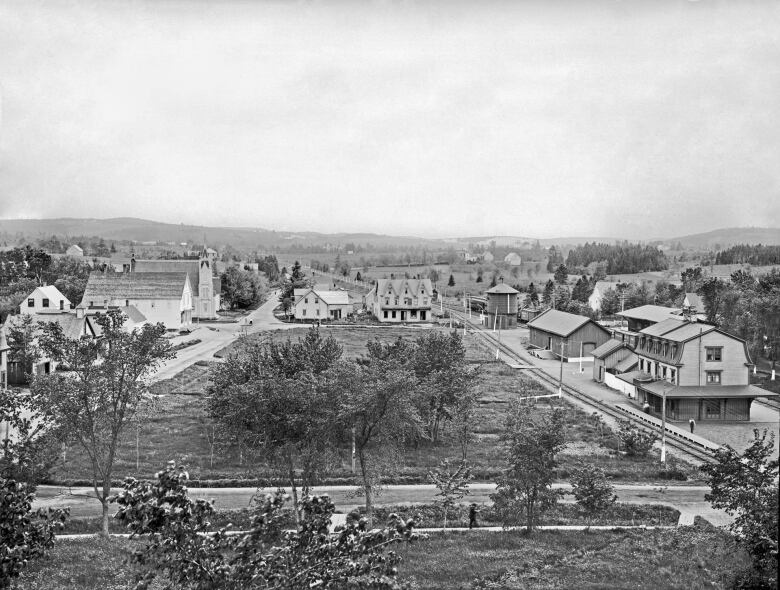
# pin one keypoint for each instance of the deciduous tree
(592, 490)
(745, 486)
(532, 446)
(100, 395)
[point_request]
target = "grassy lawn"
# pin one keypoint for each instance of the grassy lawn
(679, 558)
(685, 558)
(619, 514)
(177, 429)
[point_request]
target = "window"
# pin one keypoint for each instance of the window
(712, 409)
(304, 312)
(393, 315)
(672, 375)
(306, 300)
(674, 351)
(713, 377)
(387, 301)
(127, 303)
(396, 300)
(663, 372)
(666, 349)
(44, 302)
(641, 364)
(385, 314)
(62, 304)
(318, 311)
(714, 353)
(31, 302)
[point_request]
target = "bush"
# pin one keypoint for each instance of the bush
(634, 440)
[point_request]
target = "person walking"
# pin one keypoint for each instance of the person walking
(473, 516)
(692, 423)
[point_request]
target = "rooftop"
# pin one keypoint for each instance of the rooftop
(502, 288)
(651, 313)
(143, 285)
(557, 322)
(608, 348)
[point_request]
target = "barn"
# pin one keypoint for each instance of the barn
(572, 336)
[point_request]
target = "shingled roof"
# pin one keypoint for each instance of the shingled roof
(560, 323)
(142, 285)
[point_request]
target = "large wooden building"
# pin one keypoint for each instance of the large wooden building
(401, 300)
(573, 336)
(701, 371)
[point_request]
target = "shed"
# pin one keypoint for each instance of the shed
(502, 306)
(609, 356)
(572, 336)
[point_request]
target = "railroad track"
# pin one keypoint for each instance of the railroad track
(690, 448)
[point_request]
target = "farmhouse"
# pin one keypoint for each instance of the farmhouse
(75, 251)
(572, 336)
(72, 325)
(164, 297)
(701, 371)
(314, 305)
(599, 289)
(401, 300)
(44, 299)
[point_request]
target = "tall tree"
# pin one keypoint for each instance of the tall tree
(533, 295)
(94, 403)
(561, 274)
(377, 409)
(547, 294)
(451, 282)
(532, 446)
(745, 486)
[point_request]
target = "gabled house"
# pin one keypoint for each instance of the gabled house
(701, 371)
(315, 305)
(567, 334)
(599, 289)
(75, 251)
(72, 325)
(164, 297)
(44, 299)
(401, 300)
(693, 302)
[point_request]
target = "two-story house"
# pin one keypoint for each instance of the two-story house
(401, 300)
(312, 305)
(702, 371)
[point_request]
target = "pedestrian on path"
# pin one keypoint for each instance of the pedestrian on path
(473, 516)
(692, 423)
(646, 408)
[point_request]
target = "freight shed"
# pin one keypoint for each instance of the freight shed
(567, 334)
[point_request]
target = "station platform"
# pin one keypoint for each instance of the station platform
(670, 428)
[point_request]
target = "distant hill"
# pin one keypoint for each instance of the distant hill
(144, 230)
(723, 238)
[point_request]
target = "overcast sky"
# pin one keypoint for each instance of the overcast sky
(542, 119)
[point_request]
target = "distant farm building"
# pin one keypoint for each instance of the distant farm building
(75, 251)
(513, 259)
(599, 289)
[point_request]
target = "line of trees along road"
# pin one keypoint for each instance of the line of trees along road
(295, 404)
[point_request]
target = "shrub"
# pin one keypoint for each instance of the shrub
(635, 440)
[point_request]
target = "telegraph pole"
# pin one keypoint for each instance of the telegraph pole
(560, 377)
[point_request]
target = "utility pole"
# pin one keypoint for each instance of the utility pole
(560, 377)
(663, 426)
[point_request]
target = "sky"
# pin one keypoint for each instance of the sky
(583, 118)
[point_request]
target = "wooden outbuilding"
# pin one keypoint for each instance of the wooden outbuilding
(614, 356)
(573, 336)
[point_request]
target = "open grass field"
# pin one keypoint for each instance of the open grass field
(687, 558)
(178, 427)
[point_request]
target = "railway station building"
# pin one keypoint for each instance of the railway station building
(567, 334)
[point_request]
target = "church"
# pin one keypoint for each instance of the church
(205, 284)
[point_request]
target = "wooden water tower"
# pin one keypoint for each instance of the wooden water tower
(502, 306)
